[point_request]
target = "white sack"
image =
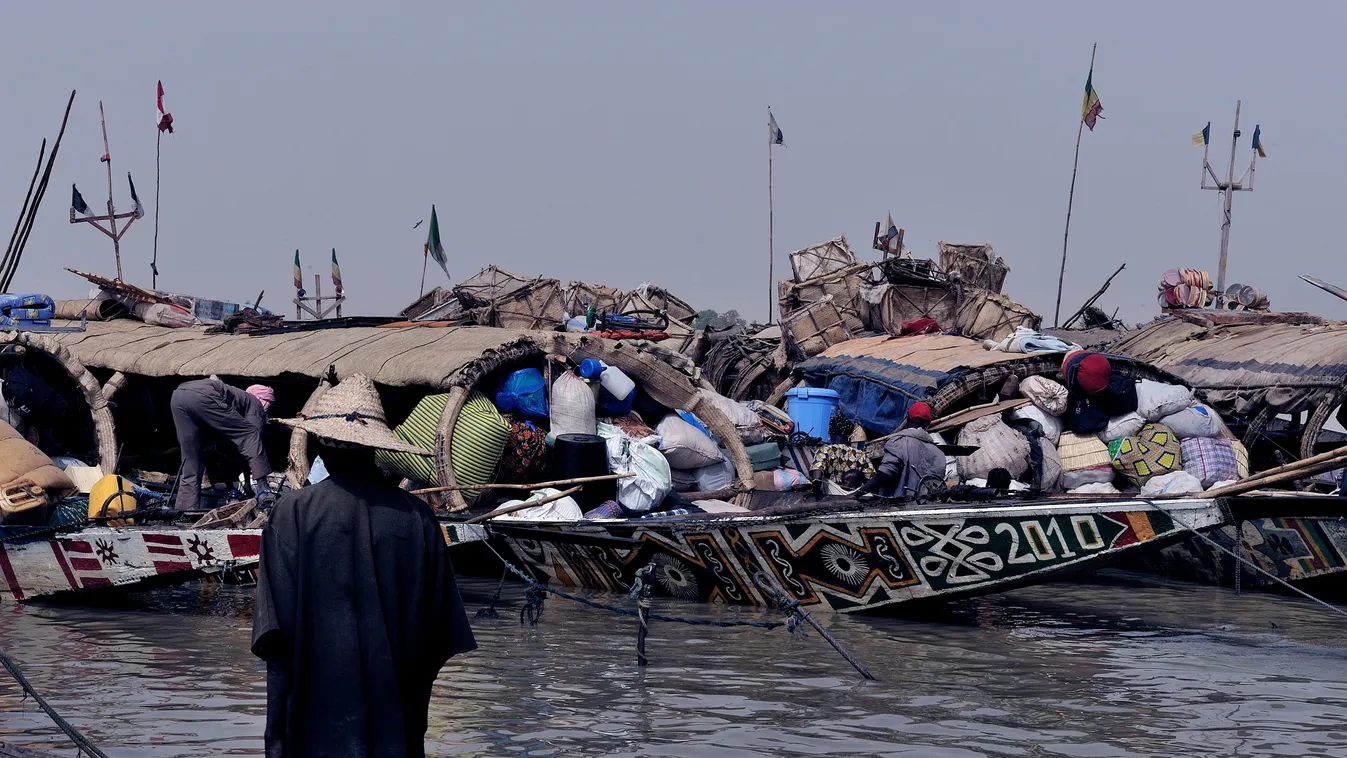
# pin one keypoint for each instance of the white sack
(1156, 400)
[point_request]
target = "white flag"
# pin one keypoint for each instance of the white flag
(774, 135)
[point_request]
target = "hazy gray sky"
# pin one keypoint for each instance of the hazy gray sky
(622, 142)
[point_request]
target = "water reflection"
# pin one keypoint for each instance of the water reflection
(1123, 667)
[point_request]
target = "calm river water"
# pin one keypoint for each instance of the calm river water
(1117, 667)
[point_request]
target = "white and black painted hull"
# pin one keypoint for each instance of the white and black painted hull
(855, 561)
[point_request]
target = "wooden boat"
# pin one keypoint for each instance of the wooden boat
(1254, 368)
(851, 559)
(98, 560)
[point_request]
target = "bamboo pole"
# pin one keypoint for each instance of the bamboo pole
(112, 214)
(154, 261)
(1295, 468)
(523, 506)
(771, 230)
(37, 200)
(1070, 198)
(537, 486)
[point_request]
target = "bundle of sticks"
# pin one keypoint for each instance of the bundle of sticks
(18, 239)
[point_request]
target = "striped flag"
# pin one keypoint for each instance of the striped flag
(163, 120)
(1258, 141)
(299, 277)
(1202, 138)
(336, 271)
(1091, 108)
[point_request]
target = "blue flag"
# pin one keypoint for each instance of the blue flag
(77, 201)
(1258, 141)
(774, 135)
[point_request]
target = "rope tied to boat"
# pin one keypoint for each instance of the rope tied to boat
(489, 612)
(799, 615)
(82, 743)
(532, 612)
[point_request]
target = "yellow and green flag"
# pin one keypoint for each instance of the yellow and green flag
(299, 276)
(1091, 108)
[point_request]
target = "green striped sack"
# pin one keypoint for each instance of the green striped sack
(480, 437)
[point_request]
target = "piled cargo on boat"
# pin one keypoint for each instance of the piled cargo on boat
(834, 296)
(1006, 406)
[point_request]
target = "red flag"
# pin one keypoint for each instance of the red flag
(165, 119)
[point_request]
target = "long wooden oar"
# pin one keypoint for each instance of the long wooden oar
(1253, 483)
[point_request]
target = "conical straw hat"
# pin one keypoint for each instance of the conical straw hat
(352, 412)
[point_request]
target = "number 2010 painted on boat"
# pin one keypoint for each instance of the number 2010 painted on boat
(1040, 548)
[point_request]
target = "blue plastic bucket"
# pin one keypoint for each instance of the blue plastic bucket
(812, 409)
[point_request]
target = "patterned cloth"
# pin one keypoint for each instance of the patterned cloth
(836, 460)
(1210, 460)
(526, 453)
(1153, 451)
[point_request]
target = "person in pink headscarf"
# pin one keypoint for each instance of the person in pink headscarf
(237, 415)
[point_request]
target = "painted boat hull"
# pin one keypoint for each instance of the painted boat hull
(858, 562)
(102, 559)
(105, 558)
(1305, 551)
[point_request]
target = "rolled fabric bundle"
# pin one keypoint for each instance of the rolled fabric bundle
(93, 310)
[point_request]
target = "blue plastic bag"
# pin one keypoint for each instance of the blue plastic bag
(523, 391)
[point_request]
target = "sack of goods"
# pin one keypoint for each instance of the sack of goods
(572, 410)
(1155, 400)
(1085, 460)
(1045, 394)
(1173, 483)
(1052, 425)
(1196, 421)
(998, 445)
(686, 446)
(1126, 425)
(29, 481)
(523, 392)
(1154, 451)
(653, 478)
(1210, 460)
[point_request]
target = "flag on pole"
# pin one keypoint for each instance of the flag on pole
(888, 233)
(336, 271)
(299, 277)
(163, 120)
(77, 201)
(1202, 138)
(434, 248)
(774, 135)
(1091, 108)
(1258, 141)
(139, 210)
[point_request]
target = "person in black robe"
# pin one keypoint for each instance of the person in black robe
(357, 607)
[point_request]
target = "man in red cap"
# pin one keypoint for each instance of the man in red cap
(1094, 393)
(912, 463)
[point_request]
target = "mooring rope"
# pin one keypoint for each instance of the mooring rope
(1245, 561)
(799, 617)
(542, 588)
(81, 742)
